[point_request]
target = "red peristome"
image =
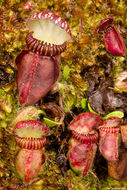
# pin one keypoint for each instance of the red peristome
(109, 144)
(45, 49)
(33, 124)
(111, 122)
(54, 18)
(36, 75)
(87, 139)
(28, 163)
(109, 129)
(104, 24)
(113, 41)
(31, 143)
(44, 46)
(85, 122)
(81, 157)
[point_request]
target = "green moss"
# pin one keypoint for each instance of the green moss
(83, 18)
(50, 173)
(110, 184)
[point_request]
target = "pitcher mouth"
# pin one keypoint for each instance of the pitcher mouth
(49, 33)
(84, 123)
(111, 122)
(30, 134)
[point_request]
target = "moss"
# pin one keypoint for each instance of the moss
(83, 18)
(110, 184)
(53, 178)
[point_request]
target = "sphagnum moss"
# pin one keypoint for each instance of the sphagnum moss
(83, 18)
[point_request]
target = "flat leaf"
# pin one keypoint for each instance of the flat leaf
(91, 110)
(84, 103)
(42, 112)
(66, 71)
(51, 123)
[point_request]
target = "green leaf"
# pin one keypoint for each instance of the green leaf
(66, 71)
(51, 123)
(119, 114)
(41, 112)
(84, 103)
(91, 110)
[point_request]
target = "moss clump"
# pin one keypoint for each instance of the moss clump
(78, 61)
